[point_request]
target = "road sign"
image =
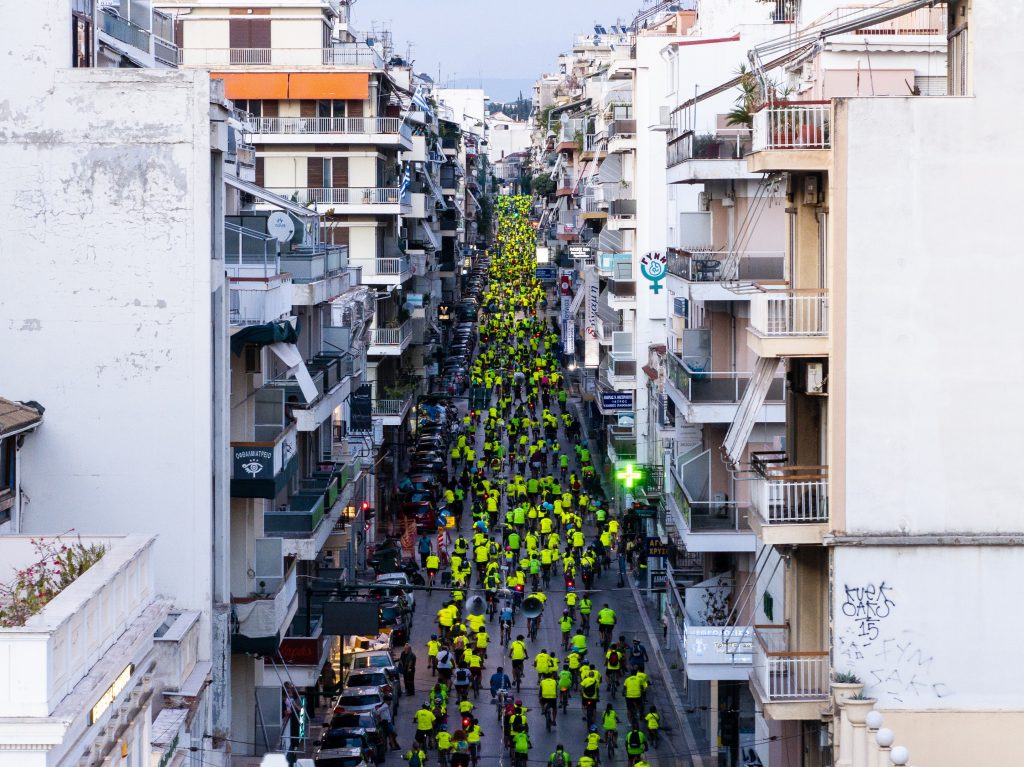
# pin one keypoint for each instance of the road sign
(546, 273)
(617, 400)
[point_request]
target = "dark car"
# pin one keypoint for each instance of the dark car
(369, 723)
(345, 739)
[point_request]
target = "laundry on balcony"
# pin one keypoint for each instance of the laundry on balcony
(279, 331)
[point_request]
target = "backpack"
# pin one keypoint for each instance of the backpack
(633, 740)
(613, 659)
(462, 676)
(415, 760)
(637, 652)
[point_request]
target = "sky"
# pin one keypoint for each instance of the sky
(506, 44)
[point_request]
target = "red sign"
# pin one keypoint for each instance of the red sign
(565, 284)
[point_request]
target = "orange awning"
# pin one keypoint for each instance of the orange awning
(352, 86)
(253, 85)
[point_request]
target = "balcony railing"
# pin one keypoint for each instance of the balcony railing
(348, 125)
(709, 266)
(300, 516)
(622, 129)
(392, 407)
(785, 494)
(790, 313)
(396, 266)
(125, 31)
(795, 125)
(391, 336)
(785, 675)
(265, 612)
(717, 387)
(342, 195)
(343, 54)
(165, 51)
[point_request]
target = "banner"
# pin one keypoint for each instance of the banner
(591, 346)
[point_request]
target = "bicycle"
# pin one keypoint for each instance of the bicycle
(612, 675)
(606, 635)
(633, 711)
(585, 624)
(589, 710)
(565, 641)
(532, 628)
(506, 632)
(612, 738)
(442, 758)
(501, 700)
(550, 706)
(517, 675)
(652, 737)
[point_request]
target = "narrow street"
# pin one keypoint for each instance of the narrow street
(506, 345)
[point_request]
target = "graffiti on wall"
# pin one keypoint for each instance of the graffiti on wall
(894, 664)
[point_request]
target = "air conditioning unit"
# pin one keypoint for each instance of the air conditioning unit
(815, 382)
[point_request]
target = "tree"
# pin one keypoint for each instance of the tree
(542, 184)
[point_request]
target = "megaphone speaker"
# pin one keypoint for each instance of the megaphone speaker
(476, 605)
(532, 607)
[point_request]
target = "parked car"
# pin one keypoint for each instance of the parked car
(360, 699)
(399, 579)
(369, 723)
(344, 739)
(327, 756)
(374, 677)
(374, 659)
(393, 617)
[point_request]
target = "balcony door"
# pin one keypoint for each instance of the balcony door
(249, 40)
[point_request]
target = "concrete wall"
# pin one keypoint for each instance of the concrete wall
(932, 370)
(105, 315)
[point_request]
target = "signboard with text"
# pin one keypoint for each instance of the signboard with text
(546, 273)
(617, 400)
(580, 251)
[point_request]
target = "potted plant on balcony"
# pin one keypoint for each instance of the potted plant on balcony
(845, 684)
(706, 147)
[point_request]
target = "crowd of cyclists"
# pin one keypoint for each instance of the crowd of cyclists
(531, 488)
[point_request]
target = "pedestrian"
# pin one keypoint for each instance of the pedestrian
(424, 547)
(407, 663)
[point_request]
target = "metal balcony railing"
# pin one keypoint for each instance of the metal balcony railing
(342, 195)
(793, 125)
(392, 266)
(790, 313)
(785, 494)
(345, 125)
(788, 675)
(341, 54)
(125, 30)
(391, 336)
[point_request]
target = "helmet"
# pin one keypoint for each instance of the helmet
(442, 726)
(433, 636)
(565, 612)
(593, 728)
(426, 704)
(519, 702)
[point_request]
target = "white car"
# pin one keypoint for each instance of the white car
(402, 580)
(360, 699)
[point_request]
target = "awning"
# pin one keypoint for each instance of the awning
(281, 331)
(473, 198)
(435, 190)
(270, 198)
(750, 406)
(18, 416)
(295, 85)
(431, 236)
(290, 356)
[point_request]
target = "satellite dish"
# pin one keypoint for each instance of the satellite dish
(281, 226)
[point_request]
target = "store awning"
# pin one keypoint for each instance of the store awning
(269, 197)
(289, 354)
(750, 406)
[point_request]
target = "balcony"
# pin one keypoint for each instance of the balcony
(718, 156)
(792, 136)
(594, 146)
(622, 214)
(789, 684)
(390, 271)
(259, 620)
(705, 524)
(371, 200)
(608, 264)
(621, 445)
(392, 132)
(704, 396)
(708, 267)
(711, 651)
(257, 300)
(392, 412)
(622, 290)
(791, 501)
(300, 516)
(124, 30)
(385, 342)
(319, 275)
(61, 650)
(789, 323)
(355, 55)
(621, 136)
(303, 649)
(619, 372)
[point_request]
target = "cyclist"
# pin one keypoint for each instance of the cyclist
(637, 656)
(653, 720)
(444, 745)
(433, 563)
(540, 663)
(499, 681)
(593, 744)
(549, 697)
(606, 620)
(416, 757)
(425, 720)
(585, 606)
(559, 757)
(433, 646)
(473, 735)
(521, 747)
(636, 744)
(613, 665)
(505, 621)
(565, 684)
(610, 724)
(565, 624)
(463, 679)
(516, 722)
(518, 652)
(634, 689)
(579, 643)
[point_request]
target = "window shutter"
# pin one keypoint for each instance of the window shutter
(315, 172)
(179, 33)
(307, 108)
(259, 33)
(270, 108)
(339, 172)
(259, 172)
(355, 108)
(238, 33)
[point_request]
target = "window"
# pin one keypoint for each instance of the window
(330, 108)
(81, 33)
